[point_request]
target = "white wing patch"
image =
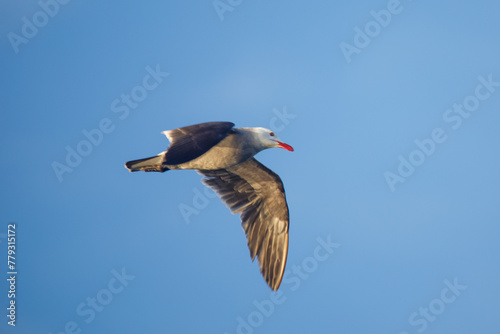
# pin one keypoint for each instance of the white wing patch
(167, 133)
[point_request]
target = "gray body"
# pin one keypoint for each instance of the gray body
(238, 146)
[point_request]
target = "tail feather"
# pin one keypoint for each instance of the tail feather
(152, 164)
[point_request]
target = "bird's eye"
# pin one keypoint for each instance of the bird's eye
(271, 134)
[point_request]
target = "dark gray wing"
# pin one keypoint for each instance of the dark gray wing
(256, 192)
(192, 141)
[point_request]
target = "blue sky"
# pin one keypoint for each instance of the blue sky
(392, 108)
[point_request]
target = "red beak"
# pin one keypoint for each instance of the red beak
(285, 146)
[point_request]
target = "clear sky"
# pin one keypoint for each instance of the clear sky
(393, 109)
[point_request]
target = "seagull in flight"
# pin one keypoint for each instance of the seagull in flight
(224, 155)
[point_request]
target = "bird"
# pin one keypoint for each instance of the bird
(224, 156)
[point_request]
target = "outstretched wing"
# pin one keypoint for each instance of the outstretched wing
(192, 141)
(256, 192)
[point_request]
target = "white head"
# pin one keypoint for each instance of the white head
(269, 139)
